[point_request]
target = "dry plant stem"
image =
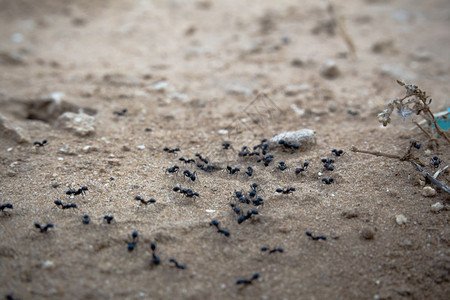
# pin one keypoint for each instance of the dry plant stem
(342, 29)
(431, 178)
(426, 132)
(407, 157)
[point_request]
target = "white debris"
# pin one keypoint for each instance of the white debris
(437, 207)
(401, 219)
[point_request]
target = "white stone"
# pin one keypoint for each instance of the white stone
(141, 147)
(428, 191)
(80, 124)
(401, 219)
(437, 207)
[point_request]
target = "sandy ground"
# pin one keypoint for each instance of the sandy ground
(186, 71)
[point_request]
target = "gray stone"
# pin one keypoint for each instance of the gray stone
(10, 130)
(55, 184)
(50, 107)
(437, 207)
(81, 124)
(305, 138)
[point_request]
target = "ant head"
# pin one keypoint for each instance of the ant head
(58, 202)
(152, 246)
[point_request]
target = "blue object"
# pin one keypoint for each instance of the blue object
(444, 123)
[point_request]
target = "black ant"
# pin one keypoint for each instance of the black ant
(247, 216)
(288, 145)
(134, 239)
(81, 190)
(327, 163)
(155, 259)
(316, 237)
(173, 169)
(86, 219)
(65, 206)
(143, 201)
(328, 180)
(416, 145)
(286, 190)
(6, 205)
(244, 151)
(189, 174)
(186, 192)
(39, 144)
(219, 230)
(209, 168)
(233, 170)
(267, 160)
(168, 150)
(226, 146)
(203, 159)
(10, 297)
(258, 201)
(249, 171)
(436, 161)
(43, 228)
(179, 266)
(120, 112)
(236, 209)
(282, 166)
(108, 218)
(187, 161)
(340, 152)
(248, 281)
(263, 146)
(263, 249)
(299, 170)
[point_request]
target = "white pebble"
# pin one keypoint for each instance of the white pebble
(437, 207)
(141, 147)
(428, 191)
(401, 219)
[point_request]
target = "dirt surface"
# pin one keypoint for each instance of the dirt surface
(189, 74)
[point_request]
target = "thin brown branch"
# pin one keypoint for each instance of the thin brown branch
(376, 153)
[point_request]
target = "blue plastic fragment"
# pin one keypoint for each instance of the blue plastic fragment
(444, 123)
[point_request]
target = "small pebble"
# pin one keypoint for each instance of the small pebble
(125, 148)
(330, 70)
(47, 264)
(55, 184)
(11, 173)
(367, 233)
(349, 214)
(87, 149)
(428, 191)
(401, 219)
(437, 207)
(141, 147)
